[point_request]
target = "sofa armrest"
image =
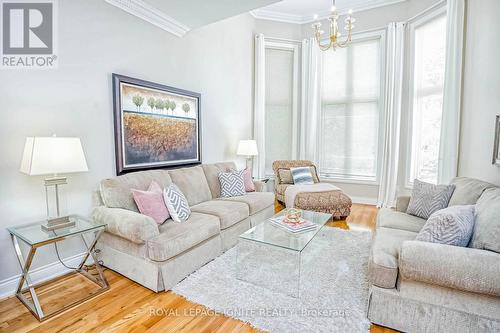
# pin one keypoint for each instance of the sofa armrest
(402, 203)
(449, 266)
(259, 186)
(130, 225)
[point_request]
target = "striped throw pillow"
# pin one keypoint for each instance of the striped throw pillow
(302, 176)
(177, 204)
(428, 198)
(452, 226)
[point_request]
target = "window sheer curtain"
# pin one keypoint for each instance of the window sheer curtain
(260, 105)
(311, 100)
(393, 100)
(450, 128)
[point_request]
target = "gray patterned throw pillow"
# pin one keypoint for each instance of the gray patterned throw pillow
(177, 204)
(451, 226)
(428, 198)
(302, 176)
(232, 184)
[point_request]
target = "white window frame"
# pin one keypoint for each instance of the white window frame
(379, 34)
(294, 47)
(412, 26)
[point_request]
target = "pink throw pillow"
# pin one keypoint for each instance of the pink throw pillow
(247, 179)
(151, 203)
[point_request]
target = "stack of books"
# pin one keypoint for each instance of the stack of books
(293, 227)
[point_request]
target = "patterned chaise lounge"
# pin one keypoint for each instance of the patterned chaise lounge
(334, 202)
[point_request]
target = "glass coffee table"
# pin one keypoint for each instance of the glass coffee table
(270, 256)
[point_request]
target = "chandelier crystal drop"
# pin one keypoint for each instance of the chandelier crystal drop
(334, 41)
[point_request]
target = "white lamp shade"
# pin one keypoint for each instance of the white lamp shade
(53, 155)
(247, 148)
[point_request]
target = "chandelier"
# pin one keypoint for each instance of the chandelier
(334, 41)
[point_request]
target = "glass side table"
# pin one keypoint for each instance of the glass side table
(34, 237)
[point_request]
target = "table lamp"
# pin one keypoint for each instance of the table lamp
(53, 156)
(248, 148)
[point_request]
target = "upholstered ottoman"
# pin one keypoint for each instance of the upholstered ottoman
(336, 203)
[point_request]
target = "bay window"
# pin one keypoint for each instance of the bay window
(427, 61)
(351, 108)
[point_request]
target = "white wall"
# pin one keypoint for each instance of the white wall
(95, 40)
(481, 91)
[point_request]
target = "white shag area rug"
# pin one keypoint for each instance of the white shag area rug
(334, 288)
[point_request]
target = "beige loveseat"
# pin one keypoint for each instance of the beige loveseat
(426, 287)
(158, 257)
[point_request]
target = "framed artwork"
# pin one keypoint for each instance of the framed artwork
(156, 126)
(496, 145)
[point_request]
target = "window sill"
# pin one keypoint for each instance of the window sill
(357, 181)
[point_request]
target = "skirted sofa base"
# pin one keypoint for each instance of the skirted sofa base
(389, 308)
(154, 275)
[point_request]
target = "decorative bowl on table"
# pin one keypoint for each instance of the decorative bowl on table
(293, 215)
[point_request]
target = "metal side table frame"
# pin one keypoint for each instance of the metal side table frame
(83, 227)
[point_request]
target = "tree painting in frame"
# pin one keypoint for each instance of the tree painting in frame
(156, 126)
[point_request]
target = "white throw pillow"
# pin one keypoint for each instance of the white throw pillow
(177, 204)
(232, 184)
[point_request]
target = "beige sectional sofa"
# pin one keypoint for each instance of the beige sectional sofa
(158, 257)
(427, 287)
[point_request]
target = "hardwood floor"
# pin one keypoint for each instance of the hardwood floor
(129, 307)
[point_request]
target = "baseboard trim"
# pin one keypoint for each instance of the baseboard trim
(41, 274)
(364, 200)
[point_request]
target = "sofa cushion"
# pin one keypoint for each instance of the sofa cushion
(256, 201)
(175, 238)
(116, 192)
(467, 190)
(486, 234)
(389, 218)
(384, 255)
(212, 175)
(428, 198)
(192, 183)
(452, 226)
(229, 213)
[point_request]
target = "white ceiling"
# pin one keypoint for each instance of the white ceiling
(180, 16)
(197, 13)
(302, 11)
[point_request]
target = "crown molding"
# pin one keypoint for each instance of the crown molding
(152, 15)
(271, 15)
(266, 14)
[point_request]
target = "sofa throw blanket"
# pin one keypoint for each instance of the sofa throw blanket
(292, 191)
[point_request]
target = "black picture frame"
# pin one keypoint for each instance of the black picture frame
(496, 143)
(130, 158)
